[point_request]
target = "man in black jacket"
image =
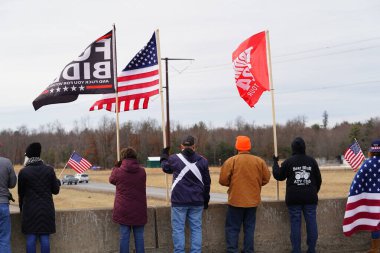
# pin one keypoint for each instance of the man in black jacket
(303, 181)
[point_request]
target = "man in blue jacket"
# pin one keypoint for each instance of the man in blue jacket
(190, 193)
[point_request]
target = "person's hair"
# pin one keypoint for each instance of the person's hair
(372, 154)
(128, 153)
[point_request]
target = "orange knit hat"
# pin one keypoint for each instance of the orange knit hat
(243, 143)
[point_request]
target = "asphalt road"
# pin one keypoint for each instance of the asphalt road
(154, 192)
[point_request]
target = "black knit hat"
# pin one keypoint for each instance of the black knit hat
(33, 150)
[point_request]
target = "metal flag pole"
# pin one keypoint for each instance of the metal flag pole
(116, 91)
(269, 62)
(162, 108)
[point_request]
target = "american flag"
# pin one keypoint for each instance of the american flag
(78, 163)
(363, 203)
(137, 83)
(354, 155)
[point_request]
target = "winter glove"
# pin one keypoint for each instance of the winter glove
(164, 154)
(10, 197)
(275, 158)
(117, 164)
(205, 205)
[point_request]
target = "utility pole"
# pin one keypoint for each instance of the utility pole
(167, 128)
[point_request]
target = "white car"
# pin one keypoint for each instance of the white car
(82, 178)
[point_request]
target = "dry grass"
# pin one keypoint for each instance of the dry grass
(335, 185)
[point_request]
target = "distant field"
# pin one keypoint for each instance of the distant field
(336, 183)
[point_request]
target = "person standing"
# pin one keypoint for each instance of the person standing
(244, 174)
(303, 181)
(36, 184)
(362, 209)
(190, 193)
(130, 206)
(8, 180)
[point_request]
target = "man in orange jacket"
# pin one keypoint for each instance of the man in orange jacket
(244, 174)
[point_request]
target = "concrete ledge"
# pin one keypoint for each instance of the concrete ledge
(92, 231)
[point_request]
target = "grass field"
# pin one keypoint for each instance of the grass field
(336, 183)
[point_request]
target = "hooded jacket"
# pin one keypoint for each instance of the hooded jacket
(130, 206)
(302, 174)
(189, 191)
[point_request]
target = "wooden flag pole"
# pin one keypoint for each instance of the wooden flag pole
(62, 170)
(65, 165)
(162, 109)
(116, 91)
(269, 62)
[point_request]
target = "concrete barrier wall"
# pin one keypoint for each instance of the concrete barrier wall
(92, 231)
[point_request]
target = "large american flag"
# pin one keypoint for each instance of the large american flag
(354, 155)
(78, 163)
(363, 203)
(137, 83)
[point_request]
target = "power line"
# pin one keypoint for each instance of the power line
(325, 87)
(217, 67)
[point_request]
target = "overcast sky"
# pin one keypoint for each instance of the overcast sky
(325, 57)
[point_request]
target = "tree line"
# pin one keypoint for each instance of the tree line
(98, 144)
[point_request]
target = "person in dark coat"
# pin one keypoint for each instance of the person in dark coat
(190, 193)
(130, 206)
(36, 184)
(303, 181)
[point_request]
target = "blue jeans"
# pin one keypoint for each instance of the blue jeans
(5, 228)
(310, 215)
(31, 240)
(138, 234)
(236, 216)
(375, 234)
(194, 216)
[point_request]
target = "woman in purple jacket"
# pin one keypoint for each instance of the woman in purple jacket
(130, 207)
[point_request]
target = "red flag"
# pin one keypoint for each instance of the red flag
(251, 69)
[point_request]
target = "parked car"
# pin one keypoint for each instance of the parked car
(70, 179)
(82, 178)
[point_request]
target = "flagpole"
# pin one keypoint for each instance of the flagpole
(116, 91)
(269, 62)
(66, 165)
(162, 109)
(161, 89)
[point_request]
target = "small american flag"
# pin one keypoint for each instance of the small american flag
(137, 82)
(363, 203)
(78, 163)
(354, 155)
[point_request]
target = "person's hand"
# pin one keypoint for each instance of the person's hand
(164, 154)
(205, 205)
(275, 158)
(166, 151)
(117, 164)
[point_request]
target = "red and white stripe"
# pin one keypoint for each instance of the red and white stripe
(79, 167)
(362, 213)
(354, 160)
(135, 87)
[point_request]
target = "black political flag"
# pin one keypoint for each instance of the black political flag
(91, 73)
